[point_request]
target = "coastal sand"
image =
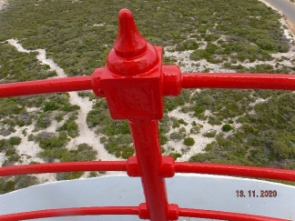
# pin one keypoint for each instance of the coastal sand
(2, 4)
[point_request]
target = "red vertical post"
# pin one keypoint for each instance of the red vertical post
(148, 153)
(132, 83)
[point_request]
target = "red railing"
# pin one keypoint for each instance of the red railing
(134, 83)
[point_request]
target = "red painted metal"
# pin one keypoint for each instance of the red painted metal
(239, 81)
(210, 214)
(83, 211)
(134, 82)
(132, 85)
(170, 167)
(64, 167)
(235, 170)
(148, 152)
(45, 86)
(134, 210)
(131, 80)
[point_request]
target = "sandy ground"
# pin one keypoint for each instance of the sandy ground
(200, 140)
(29, 150)
(86, 135)
(3, 3)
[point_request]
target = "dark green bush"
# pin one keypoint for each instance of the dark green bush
(8, 184)
(187, 45)
(175, 155)
(53, 141)
(71, 127)
(50, 106)
(189, 141)
(226, 128)
(14, 141)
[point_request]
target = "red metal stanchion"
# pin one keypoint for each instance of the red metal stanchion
(148, 152)
(133, 87)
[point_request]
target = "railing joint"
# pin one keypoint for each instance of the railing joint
(143, 212)
(167, 167)
(132, 167)
(173, 212)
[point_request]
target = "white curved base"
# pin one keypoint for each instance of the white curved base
(188, 191)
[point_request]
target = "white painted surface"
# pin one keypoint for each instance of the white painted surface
(189, 191)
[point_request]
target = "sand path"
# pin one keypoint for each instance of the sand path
(3, 3)
(85, 134)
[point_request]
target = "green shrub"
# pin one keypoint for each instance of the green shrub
(181, 121)
(175, 124)
(44, 120)
(92, 174)
(195, 130)
(210, 133)
(69, 176)
(14, 141)
(163, 139)
(50, 106)
(31, 137)
(176, 136)
(210, 146)
(213, 120)
(187, 45)
(71, 127)
(53, 141)
(127, 152)
(189, 141)
(175, 155)
(7, 186)
(226, 128)
(16, 182)
(83, 152)
(69, 107)
(59, 117)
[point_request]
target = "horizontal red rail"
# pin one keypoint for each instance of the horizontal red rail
(235, 170)
(238, 81)
(46, 86)
(189, 80)
(180, 167)
(131, 210)
(210, 214)
(83, 211)
(64, 167)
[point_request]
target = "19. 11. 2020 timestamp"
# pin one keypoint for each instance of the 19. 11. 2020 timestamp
(256, 194)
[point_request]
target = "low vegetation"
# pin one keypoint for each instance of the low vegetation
(78, 36)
